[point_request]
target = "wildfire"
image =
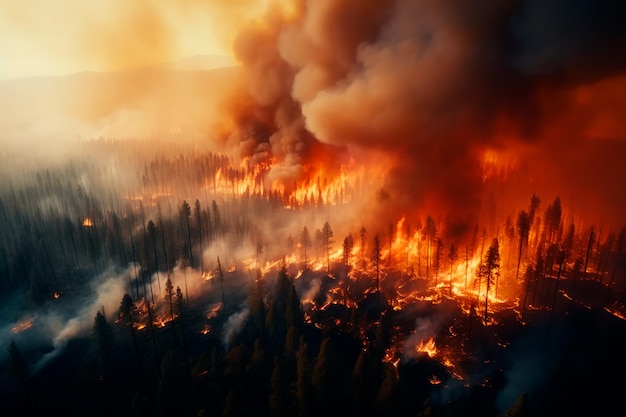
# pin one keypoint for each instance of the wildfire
(615, 313)
(56, 295)
(428, 347)
(87, 222)
(23, 324)
(434, 380)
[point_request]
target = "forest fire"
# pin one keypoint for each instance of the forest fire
(427, 347)
(416, 213)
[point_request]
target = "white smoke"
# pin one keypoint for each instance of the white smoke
(234, 325)
(106, 296)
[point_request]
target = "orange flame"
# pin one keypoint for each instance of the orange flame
(22, 325)
(428, 347)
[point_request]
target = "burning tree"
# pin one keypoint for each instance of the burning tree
(490, 269)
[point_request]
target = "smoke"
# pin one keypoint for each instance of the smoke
(55, 324)
(531, 363)
(315, 286)
(427, 327)
(105, 297)
(431, 88)
(234, 325)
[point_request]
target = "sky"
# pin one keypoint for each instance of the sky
(42, 37)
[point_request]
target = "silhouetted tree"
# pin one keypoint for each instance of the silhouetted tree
(185, 213)
(376, 259)
(103, 338)
(325, 377)
(198, 217)
(305, 240)
(348, 244)
(363, 234)
(385, 398)
(430, 232)
(489, 268)
(327, 234)
(523, 229)
(153, 232)
(304, 387)
(452, 257)
(279, 393)
(19, 374)
(127, 308)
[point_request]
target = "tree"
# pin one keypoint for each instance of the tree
(327, 234)
(589, 246)
(305, 240)
(452, 257)
(304, 387)
(437, 260)
(18, 372)
(387, 391)
(523, 229)
(348, 244)
(185, 212)
(363, 234)
(390, 228)
(490, 268)
(431, 231)
(279, 393)
(169, 296)
(532, 211)
(127, 308)
(180, 303)
(198, 216)
(325, 376)
(553, 219)
(103, 338)
(376, 259)
(153, 232)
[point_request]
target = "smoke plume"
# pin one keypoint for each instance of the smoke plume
(444, 93)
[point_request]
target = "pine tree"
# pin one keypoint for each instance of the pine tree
(304, 387)
(489, 269)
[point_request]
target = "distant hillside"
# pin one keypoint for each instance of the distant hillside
(120, 103)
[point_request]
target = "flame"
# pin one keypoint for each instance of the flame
(56, 295)
(434, 380)
(87, 222)
(428, 347)
(22, 325)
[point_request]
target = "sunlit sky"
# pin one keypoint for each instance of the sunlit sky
(43, 37)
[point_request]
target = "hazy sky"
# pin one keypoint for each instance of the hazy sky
(43, 37)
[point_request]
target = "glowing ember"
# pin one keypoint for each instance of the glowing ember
(616, 313)
(206, 330)
(22, 325)
(434, 380)
(429, 347)
(57, 295)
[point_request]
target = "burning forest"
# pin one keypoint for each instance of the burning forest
(371, 208)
